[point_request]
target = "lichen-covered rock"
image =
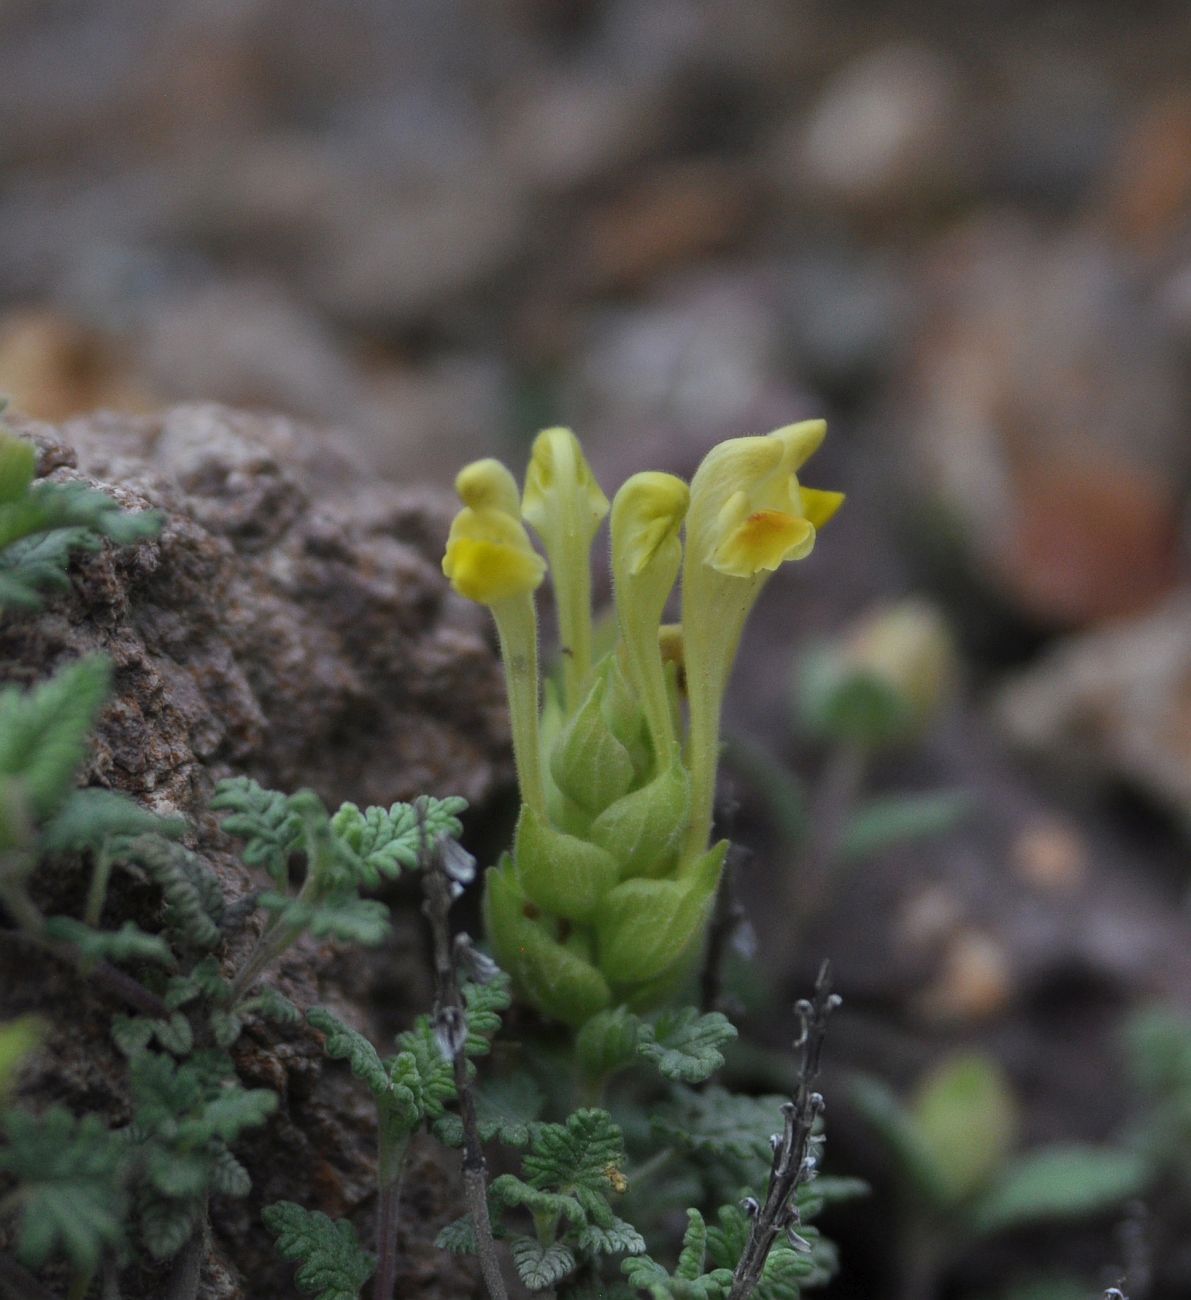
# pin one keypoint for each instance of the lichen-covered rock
(290, 622)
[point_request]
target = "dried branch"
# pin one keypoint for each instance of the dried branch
(794, 1161)
(444, 871)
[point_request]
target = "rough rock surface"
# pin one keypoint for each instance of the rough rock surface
(290, 622)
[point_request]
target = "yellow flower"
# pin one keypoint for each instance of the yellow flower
(646, 518)
(565, 506)
(489, 557)
(748, 515)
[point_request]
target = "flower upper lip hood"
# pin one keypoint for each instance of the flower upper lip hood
(489, 556)
(749, 513)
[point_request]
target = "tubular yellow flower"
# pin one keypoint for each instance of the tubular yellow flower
(489, 559)
(748, 515)
(565, 506)
(647, 515)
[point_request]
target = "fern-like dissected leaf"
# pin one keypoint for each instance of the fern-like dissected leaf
(342, 915)
(271, 1005)
(133, 1034)
(422, 1067)
(507, 1110)
(344, 1043)
(228, 1176)
(70, 1176)
(541, 1266)
(265, 820)
(787, 1271)
(166, 1224)
(194, 900)
(190, 1104)
(43, 734)
(684, 1045)
(128, 943)
(569, 1170)
(721, 1125)
(203, 980)
(484, 1003)
(42, 523)
(387, 840)
(90, 817)
(619, 1238)
(333, 1264)
(688, 1281)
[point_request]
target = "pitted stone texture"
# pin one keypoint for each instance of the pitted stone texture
(289, 622)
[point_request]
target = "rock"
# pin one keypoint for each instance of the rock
(884, 138)
(1113, 703)
(1044, 403)
(289, 622)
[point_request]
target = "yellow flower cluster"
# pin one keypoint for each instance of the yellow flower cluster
(607, 893)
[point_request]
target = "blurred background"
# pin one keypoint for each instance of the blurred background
(961, 232)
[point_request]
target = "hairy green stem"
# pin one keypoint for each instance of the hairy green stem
(97, 890)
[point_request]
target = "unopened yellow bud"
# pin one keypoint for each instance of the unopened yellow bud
(646, 553)
(565, 505)
(646, 518)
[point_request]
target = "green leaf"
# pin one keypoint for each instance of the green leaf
(236, 1109)
(166, 1225)
(506, 1110)
(194, 899)
(786, 1271)
(334, 1265)
(423, 1071)
(458, 1237)
(347, 1044)
(264, 820)
(966, 1117)
(342, 915)
(42, 523)
(884, 823)
(177, 1174)
(387, 840)
(1059, 1182)
(269, 1004)
(584, 1154)
(18, 465)
(684, 1045)
(688, 1281)
(133, 1034)
(484, 1004)
(892, 1122)
(90, 817)
(70, 1176)
(722, 1125)
(44, 732)
(228, 1175)
(18, 1039)
(509, 1190)
(128, 943)
(618, 1238)
(607, 1042)
(540, 1266)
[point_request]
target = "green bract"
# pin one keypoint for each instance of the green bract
(605, 899)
